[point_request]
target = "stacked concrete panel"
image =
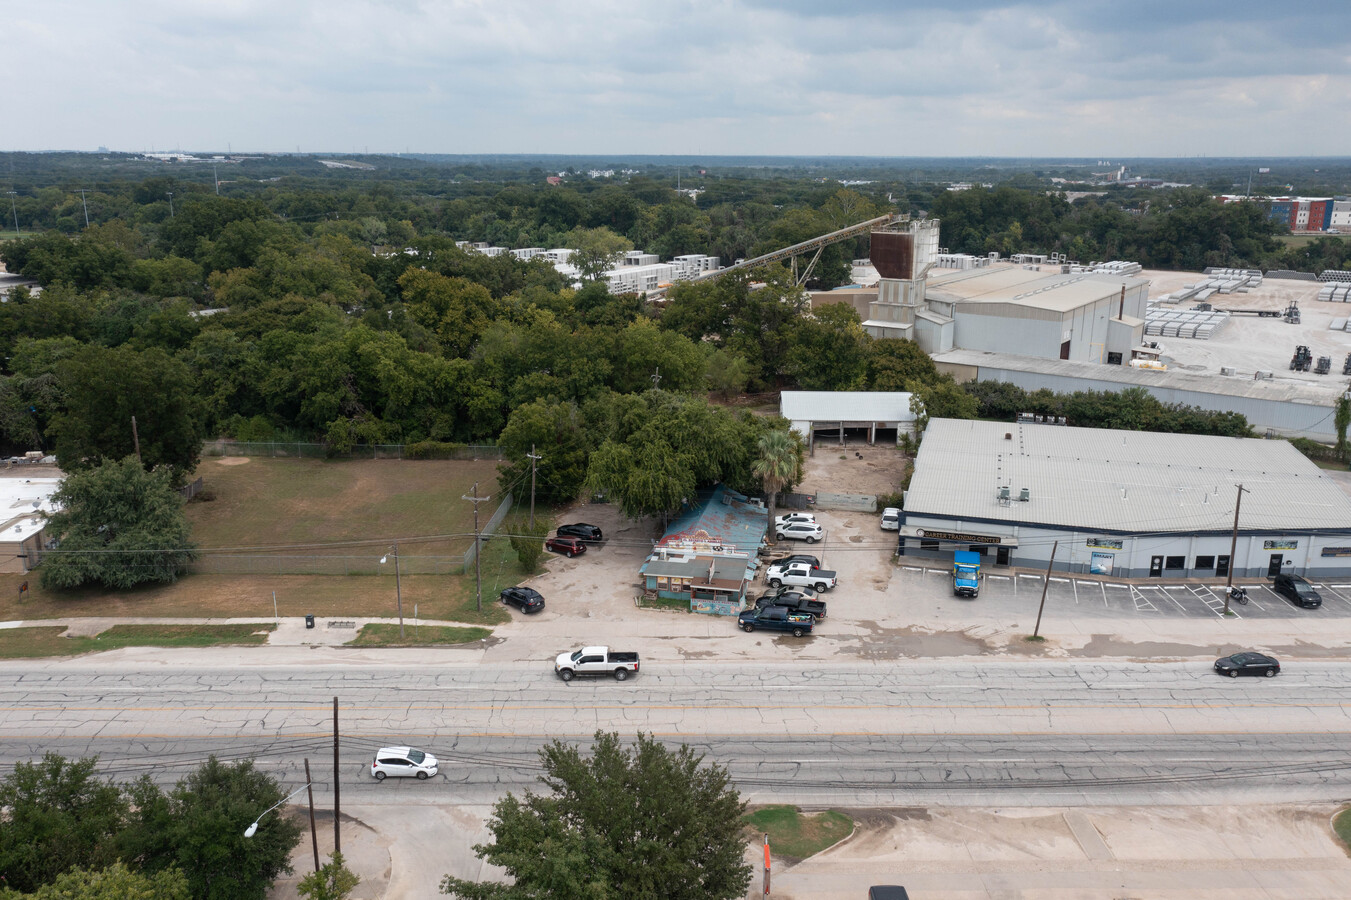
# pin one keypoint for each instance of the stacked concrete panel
(1185, 323)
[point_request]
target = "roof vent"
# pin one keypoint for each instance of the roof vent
(1008, 436)
(1003, 493)
(1024, 495)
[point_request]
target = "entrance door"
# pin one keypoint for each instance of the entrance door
(1274, 567)
(1065, 350)
(1221, 565)
(1156, 567)
(1001, 556)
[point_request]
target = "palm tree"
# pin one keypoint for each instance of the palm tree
(777, 465)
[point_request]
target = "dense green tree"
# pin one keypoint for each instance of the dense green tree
(198, 828)
(646, 823)
(945, 399)
(556, 432)
(894, 363)
(103, 390)
(596, 250)
(55, 815)
(116, 882)
(830, 350)
(117, 525)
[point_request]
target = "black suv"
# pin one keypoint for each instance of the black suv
(1297, 590)
(527, 600)
(581, 530)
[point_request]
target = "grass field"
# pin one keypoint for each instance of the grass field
(796, 836)
(1301, 240)
(318, 503)
(313, 502)
(1341, 824)
(22, 643)
(382, 635)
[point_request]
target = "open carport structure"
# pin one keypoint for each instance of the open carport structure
(838, 411)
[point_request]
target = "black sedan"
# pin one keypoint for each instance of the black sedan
(1247, 664)
(1297, 590)
(591, 533)
(527, 600)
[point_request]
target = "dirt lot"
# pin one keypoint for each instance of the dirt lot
(855, 468)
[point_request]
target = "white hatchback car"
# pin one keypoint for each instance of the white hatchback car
(800, 531)
(402, 762)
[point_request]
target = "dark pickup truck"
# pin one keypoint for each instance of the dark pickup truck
(776, 618)
(794, 601)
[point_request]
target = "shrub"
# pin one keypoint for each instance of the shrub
(432, 450)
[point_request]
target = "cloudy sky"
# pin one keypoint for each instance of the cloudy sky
(1100, 78)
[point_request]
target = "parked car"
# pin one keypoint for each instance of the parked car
(891, 519)
(887, 892)
(591, 533)
(796, 558)
(800, 531)
(794, 600)
(1297, 590)
(790, 518)
(800, 574)
(595, 661)
(1248, 663)
(776, 618)
(527, 600)
(402, 762)
(568, 546)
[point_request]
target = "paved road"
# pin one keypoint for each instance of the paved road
(961, 732)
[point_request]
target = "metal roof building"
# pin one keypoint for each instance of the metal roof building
(1129, 503)
(836, 411)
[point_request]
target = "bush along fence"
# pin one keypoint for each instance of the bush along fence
(347, 562)
(421, 450)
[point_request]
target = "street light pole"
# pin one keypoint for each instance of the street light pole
(171, 203)
(253, 829)
(1233, 546)
(14, 209)
(398, 585)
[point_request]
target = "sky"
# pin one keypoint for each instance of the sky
(1079, 78)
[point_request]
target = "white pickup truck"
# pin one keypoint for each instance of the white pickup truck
(802, 574)
(593, 661)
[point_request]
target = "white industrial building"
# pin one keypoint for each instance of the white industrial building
(831, 414)
(1127, 503)
(27, 503)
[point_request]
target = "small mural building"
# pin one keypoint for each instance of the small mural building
(709, 554)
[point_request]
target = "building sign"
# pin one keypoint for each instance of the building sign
(1103, 544)
(957, 536)
(1280, 545)
(1101, 563)
(1336, 551)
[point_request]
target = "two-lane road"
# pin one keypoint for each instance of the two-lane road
(950, 732)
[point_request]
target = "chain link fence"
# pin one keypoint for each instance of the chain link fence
(292, 449)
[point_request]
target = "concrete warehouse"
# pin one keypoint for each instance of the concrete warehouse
(1127, 503)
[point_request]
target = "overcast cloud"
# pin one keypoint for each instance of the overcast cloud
(800, 77)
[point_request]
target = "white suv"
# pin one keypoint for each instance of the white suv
(402, 762)
(800, 531)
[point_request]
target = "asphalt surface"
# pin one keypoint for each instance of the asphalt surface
(956, 732)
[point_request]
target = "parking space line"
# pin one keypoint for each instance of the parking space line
(1174, 599)
(1000, 577)
(1026, 575)
(1141, 601)
(1074, 586)
(1213, 603)
(1061, 580)
(1331, 589)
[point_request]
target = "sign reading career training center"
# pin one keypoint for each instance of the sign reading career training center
(929, 534)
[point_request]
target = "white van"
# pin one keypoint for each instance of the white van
(891, 519)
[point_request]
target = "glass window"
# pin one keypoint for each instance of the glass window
(1175, 562)
(928, 545)
(1205, 562)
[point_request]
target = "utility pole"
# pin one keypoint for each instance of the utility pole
(14, 209)
(656, 378)
(314, 835)
(135, 438)
(1233, 545)
(533, 459)
(86, 208)
(337, 816)
(171, 203)
(398, 588)
(1036, 632)
(216, 176)
(478, 569)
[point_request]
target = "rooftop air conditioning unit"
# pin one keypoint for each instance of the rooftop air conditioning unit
(1226, 370)
(1024, 495)
(1262, 375)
